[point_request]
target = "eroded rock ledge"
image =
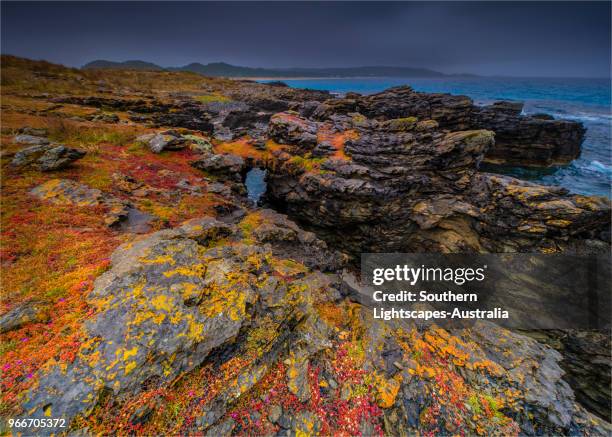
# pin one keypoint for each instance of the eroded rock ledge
(519, 140)
(408, 185)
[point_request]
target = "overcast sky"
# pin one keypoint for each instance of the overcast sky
(493, 38)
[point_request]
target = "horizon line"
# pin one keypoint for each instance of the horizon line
(464, 74)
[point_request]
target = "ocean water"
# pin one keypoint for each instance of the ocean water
(584, 100)
(255, 183)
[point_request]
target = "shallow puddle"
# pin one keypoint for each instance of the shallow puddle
(136, 222)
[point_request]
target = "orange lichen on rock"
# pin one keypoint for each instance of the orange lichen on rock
(337, 140)
(241, 147)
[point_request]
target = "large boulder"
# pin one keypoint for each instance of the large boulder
(160, 312)
(69, 192)
(223, 164)
(47, 157)
(158, 142)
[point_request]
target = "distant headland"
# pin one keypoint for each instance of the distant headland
(222, 69)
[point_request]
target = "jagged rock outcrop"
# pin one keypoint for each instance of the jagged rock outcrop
(407, 185)
(520, 140)
(227, 165)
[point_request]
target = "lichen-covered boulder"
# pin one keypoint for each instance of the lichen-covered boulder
(69, 192)
(66, 191)
(160, 312)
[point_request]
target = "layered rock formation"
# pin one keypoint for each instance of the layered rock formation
(520, 140)
(408, 185)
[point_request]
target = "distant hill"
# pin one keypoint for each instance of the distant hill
(126, 65)
(222, 69)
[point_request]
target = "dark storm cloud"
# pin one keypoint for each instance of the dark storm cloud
(515, 38)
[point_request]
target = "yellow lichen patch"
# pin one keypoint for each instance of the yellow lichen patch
(287, 267)
(249, 223)
(130, 353)
(292, 374)
(340, 315)
(188, 290)
(161, 259)
(388, 390)
(197, 270)
(129, 367)
(228, 299)
(196, 330)
(161, 302)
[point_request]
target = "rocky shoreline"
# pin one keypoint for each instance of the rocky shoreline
(207, 314)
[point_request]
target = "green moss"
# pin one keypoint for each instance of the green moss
(55, 293)
(304, 163)
(7, 346)
(492, 402)
(474, 404)
(137, 149)
(402, 124)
